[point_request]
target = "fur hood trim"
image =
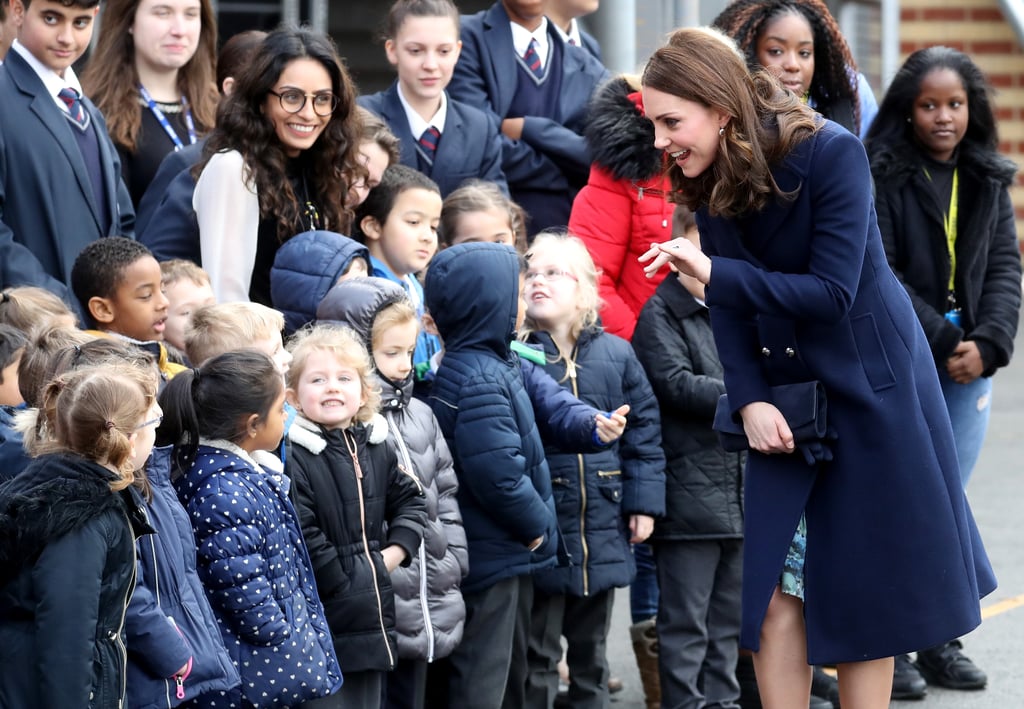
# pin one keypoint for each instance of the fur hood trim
(620, 138)
(309, 435)
(53, 497)
(900, 160)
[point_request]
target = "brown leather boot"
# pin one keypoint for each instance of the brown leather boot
(645, 647)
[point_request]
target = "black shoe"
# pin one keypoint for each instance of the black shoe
(825, 686)
(947, 667)
(907, 682)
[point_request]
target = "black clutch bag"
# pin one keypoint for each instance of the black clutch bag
(803, 406)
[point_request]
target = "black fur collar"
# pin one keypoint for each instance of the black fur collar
(620, 139)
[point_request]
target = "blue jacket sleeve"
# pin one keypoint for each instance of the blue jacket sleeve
(489, 446)
(564, 421)
(150, 637)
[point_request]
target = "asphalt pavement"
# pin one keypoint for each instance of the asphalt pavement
(996, 494)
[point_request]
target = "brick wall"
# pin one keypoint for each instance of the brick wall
(981, 31)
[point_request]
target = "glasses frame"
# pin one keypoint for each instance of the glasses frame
(305, 98)
(550, 275)
(158, 420)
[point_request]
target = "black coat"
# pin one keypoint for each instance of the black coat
(67, 570)
(704, 484)
(348, 516)
(595, 493)
(988, 270)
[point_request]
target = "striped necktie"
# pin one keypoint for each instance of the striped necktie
(532, 59)
(77, 114)
(428, 142)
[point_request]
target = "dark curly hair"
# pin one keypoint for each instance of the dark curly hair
(833, 88)
(99, 269)
(892, 124)
(333, 160)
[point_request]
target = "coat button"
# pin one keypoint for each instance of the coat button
(111, 635)
(790, 352)
(766, 352)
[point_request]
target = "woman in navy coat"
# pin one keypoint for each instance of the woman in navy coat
(799, 289)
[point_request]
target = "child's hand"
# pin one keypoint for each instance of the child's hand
(640, 527)
(609, 428)
(393, 555)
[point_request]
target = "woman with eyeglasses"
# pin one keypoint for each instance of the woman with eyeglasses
(279, 162)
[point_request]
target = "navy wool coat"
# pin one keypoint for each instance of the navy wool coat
(259, 580)
(470, 145)
(802, 291)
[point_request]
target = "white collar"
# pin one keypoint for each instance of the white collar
(573, 33)
(51, 80)
(416, 123)
(521, 39)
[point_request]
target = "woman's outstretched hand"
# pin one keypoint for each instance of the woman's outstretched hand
(681, 255)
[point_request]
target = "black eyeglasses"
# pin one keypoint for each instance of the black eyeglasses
(293, 101)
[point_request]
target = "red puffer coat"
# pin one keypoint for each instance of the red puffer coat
(622, 209)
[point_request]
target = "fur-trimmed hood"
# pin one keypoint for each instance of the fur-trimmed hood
(620, 137)
(897, 161)
(310, 435)
(54, 496)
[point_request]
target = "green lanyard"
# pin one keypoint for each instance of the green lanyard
(949, 225)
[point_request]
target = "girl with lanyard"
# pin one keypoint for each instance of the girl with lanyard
(279, 162)
(933, 142)
(152, 76)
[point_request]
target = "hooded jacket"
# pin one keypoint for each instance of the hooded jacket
(622, 208)
(349, 513)
(429, 609)
(704, 483)
(169, 621)
(595, 493)
(258, 578)
(305, 268)
(487, 417)
(988, 268)
(67, 570)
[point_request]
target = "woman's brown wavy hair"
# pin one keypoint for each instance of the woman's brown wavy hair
(111, 80)
(333, 159)
(766, 122)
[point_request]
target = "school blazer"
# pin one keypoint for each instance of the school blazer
(486, 76)
(48, 213)
(470, 145)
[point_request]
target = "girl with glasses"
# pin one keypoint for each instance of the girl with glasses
(279, 162)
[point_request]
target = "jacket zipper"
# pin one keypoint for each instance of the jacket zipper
(352, 451)
(156, 591)
(428, 624)
(124, 612)
(571, 364)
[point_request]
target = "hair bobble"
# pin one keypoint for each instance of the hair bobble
(5, 296)
(108, 425)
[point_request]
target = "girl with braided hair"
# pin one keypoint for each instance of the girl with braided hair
(800, 42)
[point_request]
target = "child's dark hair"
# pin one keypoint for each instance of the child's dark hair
(100, 267)
(12, 341)
(834, 84)
(236, 54)
(402, 10)
(381, 200)
(893, 123)
(216, 400)
(83, 4)
(479, 196)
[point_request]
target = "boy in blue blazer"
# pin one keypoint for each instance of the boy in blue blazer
(60, 177)
(515, 65)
